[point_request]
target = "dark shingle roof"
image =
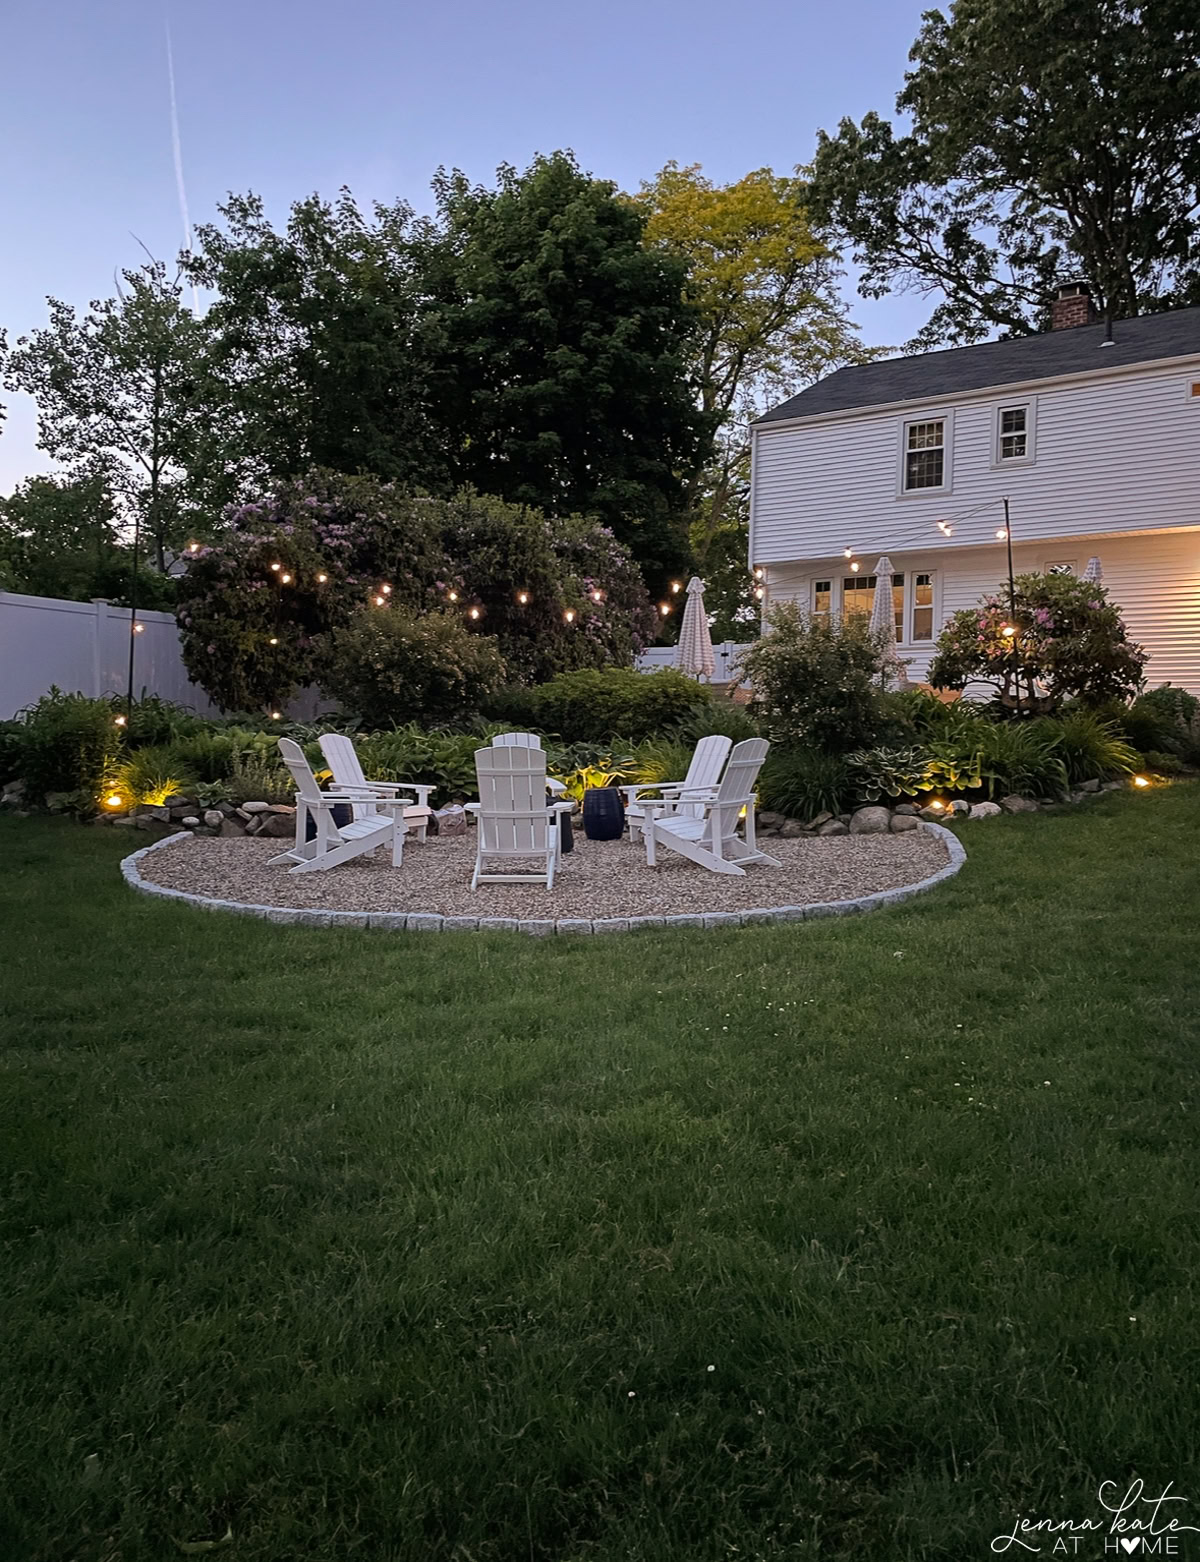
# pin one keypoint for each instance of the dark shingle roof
(927, 376)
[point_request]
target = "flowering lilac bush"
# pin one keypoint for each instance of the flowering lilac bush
(257, 608)
(1069, 638)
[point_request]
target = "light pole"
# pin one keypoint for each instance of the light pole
(1012, 609)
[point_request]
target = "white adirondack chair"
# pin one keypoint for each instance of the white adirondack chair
(525, 740)
(703, 773)
(713, 840)
(334, 844)
(514, 820)
(342, 758)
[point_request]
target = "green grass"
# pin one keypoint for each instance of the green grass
(850, 1239)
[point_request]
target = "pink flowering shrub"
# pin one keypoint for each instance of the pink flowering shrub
(1069, 639)
(258, 608)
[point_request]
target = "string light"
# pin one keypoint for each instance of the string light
(522, 597)
(276, 715)
(664, 608)
(945, 528)
(569, 615)
(276, 567)
(321, 579)
(387, 590)
(759, 593)
(273, 640)
(1002, 535)
(139, 629)
(285, 580)
(379, 601)
(676, 586)
(758, 574)
(847, 553)
(193, 547)
(454, 596)
(474, 613)
(597, 596)
(854, 568)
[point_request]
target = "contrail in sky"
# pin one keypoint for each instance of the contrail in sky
(177, 148)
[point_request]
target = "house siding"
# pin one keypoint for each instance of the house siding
(1111, 456)
(1153, 578)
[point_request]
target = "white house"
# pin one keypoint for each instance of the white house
(1092, 434)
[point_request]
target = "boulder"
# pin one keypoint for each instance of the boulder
(767, 820)
(1018, 805)
(818, 820)
(153, 811)
(230, 828)
(58, 802)
(149, 822)
(1112, 786)
(833, 827)
(14, 792)
(870, 821)
(906, 808)
(192, 822)
(934, 815)
(181, 811)
(178, 800)
(280, 808)
(255, 808)
(790, 829)
(451, 820)
(125, 822)
(985, 810)
(276, 826)
(902, 822)
(960, 807)
(214, 818)
(1089, 786)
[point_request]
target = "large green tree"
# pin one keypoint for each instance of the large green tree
(563, 348)
(313, 355)
(1047, 136)
(116, 395)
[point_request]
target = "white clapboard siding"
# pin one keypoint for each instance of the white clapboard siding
(1119, 454)
(1154, 579)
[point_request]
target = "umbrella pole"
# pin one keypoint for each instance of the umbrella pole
(1012, 612)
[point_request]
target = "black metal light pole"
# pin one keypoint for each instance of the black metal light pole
(133, 585)
(1012, 609)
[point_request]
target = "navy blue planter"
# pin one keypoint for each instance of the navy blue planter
(343, 813)
(566, 835)
(603, 813)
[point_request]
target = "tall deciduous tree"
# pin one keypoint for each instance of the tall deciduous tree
(1046, 136)
(115, 394)
(564, 348)
(313, 354)
(765, 285)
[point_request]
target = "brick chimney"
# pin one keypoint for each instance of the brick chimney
(1072, 306)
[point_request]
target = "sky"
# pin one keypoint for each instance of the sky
(288, 97)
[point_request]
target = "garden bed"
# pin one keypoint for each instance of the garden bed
(597, 882)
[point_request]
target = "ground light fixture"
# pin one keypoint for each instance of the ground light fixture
(119, 721)
(1141, 781)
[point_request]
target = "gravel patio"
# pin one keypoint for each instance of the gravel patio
(597, 879)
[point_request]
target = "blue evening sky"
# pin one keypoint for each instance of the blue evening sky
(286, 97)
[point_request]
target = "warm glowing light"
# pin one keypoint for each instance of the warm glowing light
(379, 601)
(522, 597)
(139, 629)
(454, 596)
(276, 715)
(1001, 534)
(569, 615)
(1007, 631)
(664, 608)
(273, 640)
(847, 553)
(474, 613)
(113, 800)
(119, 721)
(936, 804)
(387, 590)
(759, 593)
(676, 585)
(758, 574)
(597, 596)
(193, 547)
(277, 567)
(854, 568)
(285, 580)
(321, 579)
(1140, 781)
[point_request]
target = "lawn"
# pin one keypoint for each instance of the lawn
(847, 1239)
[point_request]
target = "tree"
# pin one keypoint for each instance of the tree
(1069, 638)
(563, 347)
(116, 397)
(314, 354)
(815, 680)
(1048, 136)
(771, 321)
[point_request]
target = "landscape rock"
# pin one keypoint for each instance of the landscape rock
(227, 809)
(833, 827)
(231, 827)
(985, 810)
(181, 810)
(57, 802)
(149, 822)
(1112, 786)
(125, 822)
(1089, 786)
(960, 807)
(766, 819)
(450, 821)
(870, 821)
(280, 808)
(276, 826)
(910, 809)
(153, 811)
(818, 820)
(791, 828)
(901, 822)
(934, 815)
(14, 792)
(255, 808)
(1012, 804)
(191, 822)
(213, 818)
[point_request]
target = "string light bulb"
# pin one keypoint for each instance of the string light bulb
(193, 547)
(597, 596)
(387, 590)
(285, 580)
(379, 601)
(139, 629)
(474, 613)
(569, 615)
(759, 593)
(847, 553)
(522, 597)
(454, 596)
(854, 568)
(273, 640)
(758, 573)
(664, 608)
(276, 715)
(677, 586)
(1002, 534)
(321, 579)
(276, 567)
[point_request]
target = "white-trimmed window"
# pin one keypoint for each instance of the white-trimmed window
(822, 600)
(924, 455)
(1014, 434)
(854, 594)
(922, 606)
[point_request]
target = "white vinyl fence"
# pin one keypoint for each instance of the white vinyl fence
(83, 648)
(664, 656)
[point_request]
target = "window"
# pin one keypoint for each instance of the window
(925, 455)
(822, 598)
(1014, 434)
(922, 613)
(858, 596)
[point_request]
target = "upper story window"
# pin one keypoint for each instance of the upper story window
(925, 455)
(1014, 434)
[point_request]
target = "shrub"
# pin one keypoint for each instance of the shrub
(1092, 749)
(10, 750)
(208, 756)
(1164, 764)
(812, 680)
(67, 743)
(661, 759)
(149, 775)
(591, 706)
(804, 782)
(390, 665)
(1168, 719)
(442, 759)
(1025, 758)
(254, 779)
(1069, 638)
(154, 721)
(719, 717)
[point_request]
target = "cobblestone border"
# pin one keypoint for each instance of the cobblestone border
(428, 922)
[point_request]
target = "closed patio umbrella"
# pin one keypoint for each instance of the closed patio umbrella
(1093, 570)
(694, 653)
(883, 617)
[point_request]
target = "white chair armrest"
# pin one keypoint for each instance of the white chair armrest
(472, 808)
(553, 785)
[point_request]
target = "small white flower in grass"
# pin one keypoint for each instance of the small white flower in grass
(633, 1393)
(1132, 1319)
(897, 954)
(711, 1367)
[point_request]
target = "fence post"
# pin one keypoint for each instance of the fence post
(98, 622)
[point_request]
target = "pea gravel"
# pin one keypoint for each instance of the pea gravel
(598, 879)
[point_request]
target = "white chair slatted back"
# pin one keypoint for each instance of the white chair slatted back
(708, 757)
(736, 790)
(300, 771)
(516, 740)
(342, 758)
(513, 817)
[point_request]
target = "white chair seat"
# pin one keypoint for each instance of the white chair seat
(710, 835)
